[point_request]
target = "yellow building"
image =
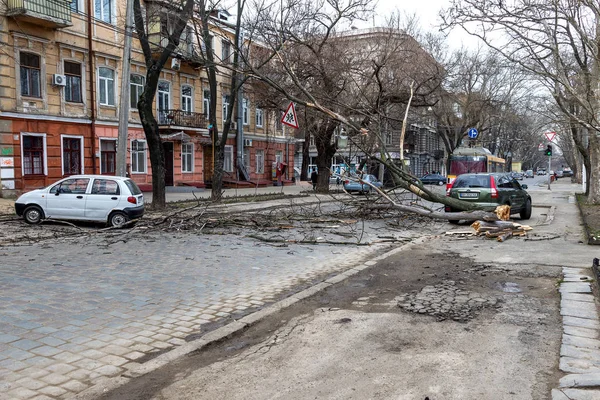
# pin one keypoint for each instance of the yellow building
(60, 77)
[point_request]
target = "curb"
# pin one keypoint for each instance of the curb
(107, 384)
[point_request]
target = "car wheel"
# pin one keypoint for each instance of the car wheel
(33, 215)
(526, 212)
(118, 219)
(440, 183)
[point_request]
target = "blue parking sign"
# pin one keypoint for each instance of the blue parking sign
(472, 132)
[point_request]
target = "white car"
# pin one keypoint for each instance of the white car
(111, 199)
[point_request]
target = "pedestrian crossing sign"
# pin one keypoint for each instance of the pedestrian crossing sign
(289, 118)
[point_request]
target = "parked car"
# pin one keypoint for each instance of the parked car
(356, 186)
(434, 179)
(529, 173)
(111, 199)
(567, 172)
(559, 174)
(517, 175)
(541, 171)
(489, 190)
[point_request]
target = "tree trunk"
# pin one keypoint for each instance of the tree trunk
(157, 157)
(305, 155)
(593, 170)
(217, 178)
(325, 152)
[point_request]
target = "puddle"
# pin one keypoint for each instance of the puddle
(508, 287)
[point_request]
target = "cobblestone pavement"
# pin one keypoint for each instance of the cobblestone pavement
(72, 313)
(580, 350)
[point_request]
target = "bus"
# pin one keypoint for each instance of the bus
(464, 160)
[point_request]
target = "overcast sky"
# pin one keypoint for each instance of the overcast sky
(427, 12)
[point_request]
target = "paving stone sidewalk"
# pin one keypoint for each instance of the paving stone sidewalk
(580, 349)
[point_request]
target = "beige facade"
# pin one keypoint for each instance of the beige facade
(60, 79)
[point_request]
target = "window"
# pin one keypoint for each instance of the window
(278, 124)
(247, 158)
(225, 51)
(103, 10)
(71, 148)
(388, 138)
(73, 88)
(74, 4)
(245, 112)
(260, 161)
(30, 75)
(278, 156)
(312, 140)
(225, 107)
(136, 88)
(138, 156)
(106, 86)
(187, 157)
(164, 101)
(228, 163)
(206, 103)
(108, 156)
(259, 117)
(105, 186)
(33, 155)
(187, 104)
(73, 186)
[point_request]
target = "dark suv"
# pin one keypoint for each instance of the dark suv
(491, 190)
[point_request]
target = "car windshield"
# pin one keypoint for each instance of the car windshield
(133, 188)
(472, 181)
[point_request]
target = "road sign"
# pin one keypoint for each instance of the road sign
(289, 118)
(541, 147)
(472, 132)
(550, 136)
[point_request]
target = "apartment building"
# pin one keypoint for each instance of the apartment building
(60, 78)
(402, 61)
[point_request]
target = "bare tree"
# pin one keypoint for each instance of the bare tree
(555, 40)
(180, 13)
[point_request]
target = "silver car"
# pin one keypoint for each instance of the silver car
(112, 199)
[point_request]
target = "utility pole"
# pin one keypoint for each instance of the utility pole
(124, 101)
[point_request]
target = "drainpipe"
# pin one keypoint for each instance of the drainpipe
(92, 83)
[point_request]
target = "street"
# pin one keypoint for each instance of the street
(77, 316)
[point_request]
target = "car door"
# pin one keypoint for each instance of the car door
(66, 200)
(105, 196)
(518, 197)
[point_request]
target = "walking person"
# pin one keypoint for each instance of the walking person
(313, 178)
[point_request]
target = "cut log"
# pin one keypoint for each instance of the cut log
(503, 212)
(505, 236)
(483, 226)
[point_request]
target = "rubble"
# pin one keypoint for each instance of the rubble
(446, 301)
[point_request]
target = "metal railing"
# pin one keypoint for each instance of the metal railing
(181, 118)
(52, 9)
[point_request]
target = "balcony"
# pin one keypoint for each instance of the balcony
(181, 119)
(47, 13)
(186, 51)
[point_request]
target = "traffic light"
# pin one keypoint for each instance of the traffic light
(549, 150)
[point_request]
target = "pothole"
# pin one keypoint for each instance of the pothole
(447, 301)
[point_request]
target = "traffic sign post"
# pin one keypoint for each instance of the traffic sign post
(550, 136)
(289, 118)
(472, 132)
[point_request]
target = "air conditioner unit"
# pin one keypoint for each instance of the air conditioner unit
(59, 80)
(175, 64)
(247, 142)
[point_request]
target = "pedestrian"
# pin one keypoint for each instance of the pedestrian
(313, 178)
